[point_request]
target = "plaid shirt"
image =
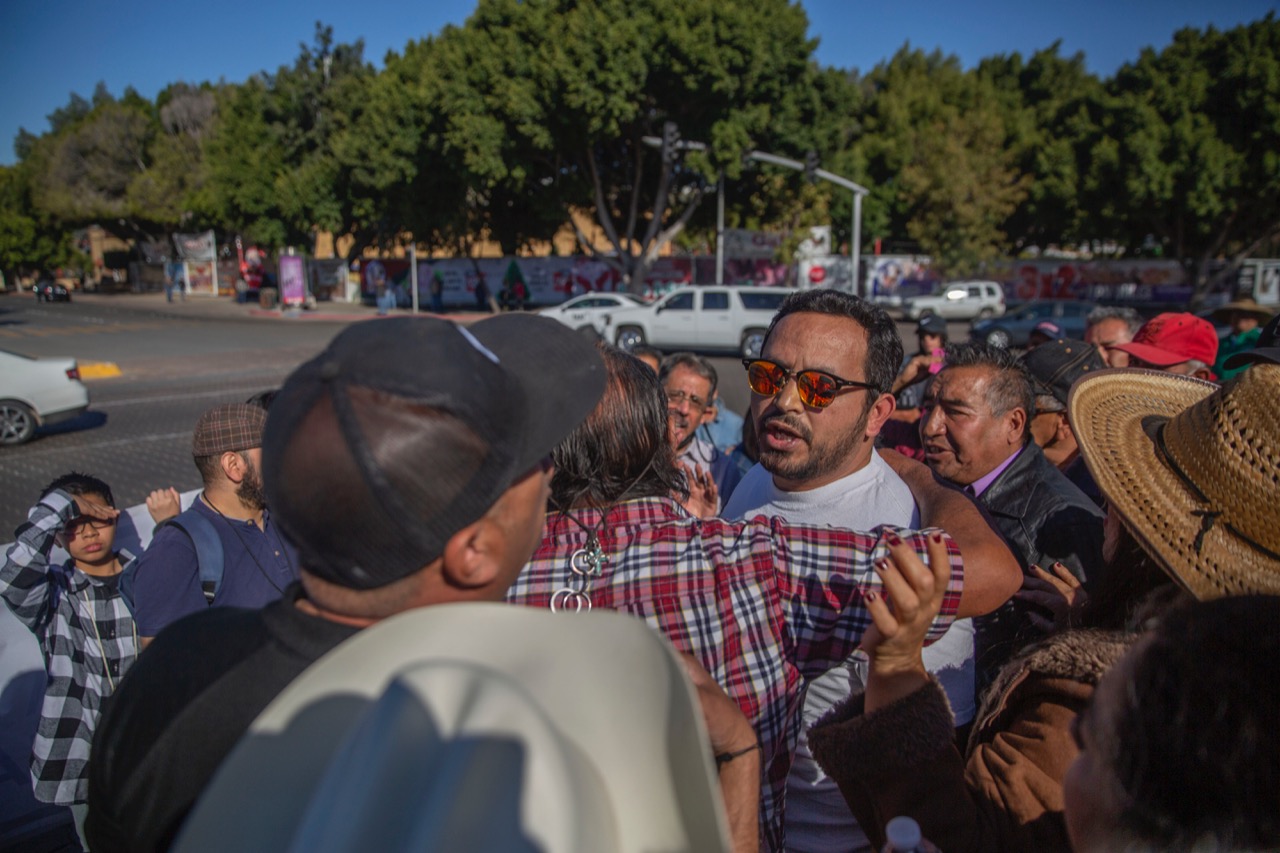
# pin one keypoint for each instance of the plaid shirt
(764, 604)
(61, 606)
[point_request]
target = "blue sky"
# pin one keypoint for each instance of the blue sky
(50, 48)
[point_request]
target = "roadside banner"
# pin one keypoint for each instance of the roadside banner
(293, 282)
(196, 247)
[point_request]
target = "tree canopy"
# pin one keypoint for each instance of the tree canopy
(532, 111)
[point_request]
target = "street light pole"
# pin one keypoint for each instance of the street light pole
(720, 229)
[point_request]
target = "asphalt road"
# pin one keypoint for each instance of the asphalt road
(137, 432)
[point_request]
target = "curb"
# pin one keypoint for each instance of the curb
(98, 369)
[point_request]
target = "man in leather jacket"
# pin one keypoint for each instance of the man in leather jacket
(975, 428)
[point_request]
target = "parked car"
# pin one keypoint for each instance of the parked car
(959, 300)
(587, 312)
(730, 319)
(1013, 328)
(35, 392)
(51, 291)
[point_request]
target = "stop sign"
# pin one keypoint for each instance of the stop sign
(817, 274)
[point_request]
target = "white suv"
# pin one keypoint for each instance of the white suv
(700, 318)
(959, 300)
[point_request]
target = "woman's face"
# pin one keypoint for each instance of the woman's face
(1092, 796)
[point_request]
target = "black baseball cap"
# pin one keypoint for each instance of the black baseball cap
(1056, 365)
(931, 324)
(403, 431)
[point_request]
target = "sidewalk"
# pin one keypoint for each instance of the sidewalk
(226, 307)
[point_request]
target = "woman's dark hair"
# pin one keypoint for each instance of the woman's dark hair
(1197, 745)
(80, 485)
(621, 449)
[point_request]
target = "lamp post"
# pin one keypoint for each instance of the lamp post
(673, 142)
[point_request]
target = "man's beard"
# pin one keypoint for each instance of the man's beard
(251, 494)
(819, 461)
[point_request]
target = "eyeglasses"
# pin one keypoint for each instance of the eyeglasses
(675, 398)
(75, 526)
(817, 389)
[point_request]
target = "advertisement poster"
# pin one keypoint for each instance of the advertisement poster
(201, 279)
(293, 282)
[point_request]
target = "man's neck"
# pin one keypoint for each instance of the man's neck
(310, 608)
(227, 504)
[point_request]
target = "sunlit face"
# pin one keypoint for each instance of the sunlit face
(1092, 796)
(963, 439)
(1106, 334)
(804, 447)
(688, 404)
(251, 492)
(90, 541)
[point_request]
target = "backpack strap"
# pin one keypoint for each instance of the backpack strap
(208, 548)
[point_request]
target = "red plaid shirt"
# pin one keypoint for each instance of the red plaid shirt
(764, 604)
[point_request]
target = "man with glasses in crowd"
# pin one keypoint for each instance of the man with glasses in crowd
(820, 396)
(691, 383)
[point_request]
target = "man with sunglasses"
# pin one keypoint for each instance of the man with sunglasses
(820, 396)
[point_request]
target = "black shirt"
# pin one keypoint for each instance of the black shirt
(182, 708)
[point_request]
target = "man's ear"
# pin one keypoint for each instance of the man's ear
(1203, 373)
(233, 466)
(1016, 419)
(881, 409)
(471, 559)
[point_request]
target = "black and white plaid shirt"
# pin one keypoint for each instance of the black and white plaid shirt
(62, 605)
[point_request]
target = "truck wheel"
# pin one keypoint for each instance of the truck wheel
(752, 343)
(629, 337)
(17, 422)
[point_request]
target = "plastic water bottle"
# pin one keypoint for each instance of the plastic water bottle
(903, 836)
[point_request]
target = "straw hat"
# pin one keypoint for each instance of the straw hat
(1192, 469)
(475, 727)
(1222, 313)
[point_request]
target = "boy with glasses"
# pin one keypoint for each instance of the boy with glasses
(85, 630)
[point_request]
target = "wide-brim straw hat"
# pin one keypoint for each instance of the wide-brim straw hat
(475, 727)
(1222, 313)
(1192, 469)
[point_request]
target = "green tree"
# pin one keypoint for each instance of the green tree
(940, 167)
(1190, 156)
(542, 107)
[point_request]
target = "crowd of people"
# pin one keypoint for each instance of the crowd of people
(1029, 601)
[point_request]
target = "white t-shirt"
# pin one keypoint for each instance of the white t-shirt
(817, 817)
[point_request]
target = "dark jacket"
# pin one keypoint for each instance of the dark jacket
(1045, 519)
(1007, 794)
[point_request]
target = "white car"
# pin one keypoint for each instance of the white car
(35, 392)
(959, 300)
(589, 310)
(700, 318)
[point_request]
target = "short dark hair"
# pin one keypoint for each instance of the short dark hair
(884, 346)
(1196, 743)
(79, 485)
(696, 363)
(1011, 386)
(621, 449)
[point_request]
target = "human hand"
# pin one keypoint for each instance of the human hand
(704, 496)
(1060, 593)
(92, 509)
(163, 504)
(904, 610)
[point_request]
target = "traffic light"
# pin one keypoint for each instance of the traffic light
(670, 142)
(811, 166)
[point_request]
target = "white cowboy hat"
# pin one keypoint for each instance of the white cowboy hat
(475, 727)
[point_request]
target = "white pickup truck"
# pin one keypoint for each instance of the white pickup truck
(699, 318)
(959, 300)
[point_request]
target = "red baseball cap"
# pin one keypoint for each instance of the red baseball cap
(1169, 339)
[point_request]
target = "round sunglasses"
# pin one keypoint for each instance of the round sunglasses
(816, 388)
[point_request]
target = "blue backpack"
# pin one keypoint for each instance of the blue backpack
(208, 554)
